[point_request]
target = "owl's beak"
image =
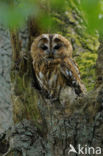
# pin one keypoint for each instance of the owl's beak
(51, 54)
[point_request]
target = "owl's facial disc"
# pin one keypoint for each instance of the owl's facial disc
(50, 46)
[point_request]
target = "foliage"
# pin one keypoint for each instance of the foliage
(12, 16)
(87, 63)
(93, 13)
(15, 13)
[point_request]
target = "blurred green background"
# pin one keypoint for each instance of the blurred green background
(15, 12)
(78, 20)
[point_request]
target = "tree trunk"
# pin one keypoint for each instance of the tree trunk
(47, 128)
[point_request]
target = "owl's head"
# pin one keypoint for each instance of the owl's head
(51, 46)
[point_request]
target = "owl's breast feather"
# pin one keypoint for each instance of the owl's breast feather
(49, 77)
(54, 77)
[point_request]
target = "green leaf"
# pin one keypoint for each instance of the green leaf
(93, 10)
(16, 15)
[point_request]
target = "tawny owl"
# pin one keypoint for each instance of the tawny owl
(54, 67)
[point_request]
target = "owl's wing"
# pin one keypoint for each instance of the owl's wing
(70, 71)
(75, 66)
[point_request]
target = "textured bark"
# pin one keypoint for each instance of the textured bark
(5, 66)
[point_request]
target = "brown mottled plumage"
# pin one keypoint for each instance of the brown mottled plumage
(54, 67)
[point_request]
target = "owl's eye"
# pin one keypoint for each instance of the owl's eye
(57, 47)
(43, 47)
